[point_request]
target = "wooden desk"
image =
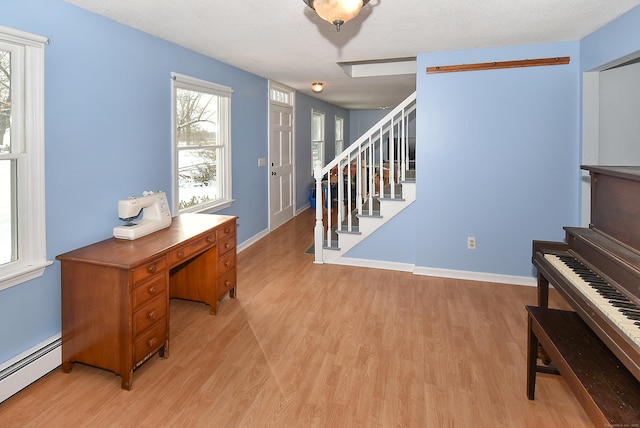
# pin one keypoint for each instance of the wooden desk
(609, 393)
(115, 293)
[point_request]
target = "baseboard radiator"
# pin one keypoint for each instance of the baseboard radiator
(21, 371)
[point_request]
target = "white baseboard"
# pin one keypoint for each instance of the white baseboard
(255, 238)
(375, 264)
(441, 273)
(476, 276)
(24, 369)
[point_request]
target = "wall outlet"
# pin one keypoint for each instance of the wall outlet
(262, 161)
(471, 243)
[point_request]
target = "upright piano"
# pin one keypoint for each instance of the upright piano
(597, 271)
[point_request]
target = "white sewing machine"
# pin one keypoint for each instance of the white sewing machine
(155, 215)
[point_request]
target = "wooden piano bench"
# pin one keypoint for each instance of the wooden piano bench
(608, 392)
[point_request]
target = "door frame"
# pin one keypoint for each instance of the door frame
(289, 100)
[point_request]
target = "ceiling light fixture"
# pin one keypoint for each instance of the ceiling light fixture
(336, 12)
(317, 87)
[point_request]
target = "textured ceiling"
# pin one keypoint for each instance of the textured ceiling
(286, 41)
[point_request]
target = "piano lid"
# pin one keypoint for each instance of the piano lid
(615, 203)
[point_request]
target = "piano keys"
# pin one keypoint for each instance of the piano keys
(618, 308)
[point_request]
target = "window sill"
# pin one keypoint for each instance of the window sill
(11, 277)
(211, 209)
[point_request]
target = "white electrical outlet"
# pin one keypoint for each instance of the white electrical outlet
(471, 243)
(262, 161)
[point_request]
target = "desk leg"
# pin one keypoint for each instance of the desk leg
(532, 360)
(164, 351)
(126, 380)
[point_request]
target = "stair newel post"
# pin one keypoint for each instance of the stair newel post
(318, 231)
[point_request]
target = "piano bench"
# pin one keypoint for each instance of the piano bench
(607, 391)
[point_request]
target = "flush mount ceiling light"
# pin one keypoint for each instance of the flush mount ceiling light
(317, 87)
(336, 12)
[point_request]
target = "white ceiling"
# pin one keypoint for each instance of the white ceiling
(284, 40)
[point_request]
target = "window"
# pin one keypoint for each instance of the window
(22, 219)
(317, 139)
(201, 145)
(339, 135)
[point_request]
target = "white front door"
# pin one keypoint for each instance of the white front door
(281, 157)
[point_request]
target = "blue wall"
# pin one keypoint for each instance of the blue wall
(108, 136)
(304, 105)
(498, 151)
(498, 154)
(361, 120)
(498, 159)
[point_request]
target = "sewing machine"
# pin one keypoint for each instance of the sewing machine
(155, 215)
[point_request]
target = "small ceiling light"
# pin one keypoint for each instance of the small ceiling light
(336, 12)
(317, 87)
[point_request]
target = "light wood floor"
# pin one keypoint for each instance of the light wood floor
(308, 345)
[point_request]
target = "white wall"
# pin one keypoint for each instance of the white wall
(619, 142)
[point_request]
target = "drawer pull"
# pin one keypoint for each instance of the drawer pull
(181, 254)
(227, 283)
(209, 239)
(152, 342)
(227, 245)
(153, 290)
(152, 315)
(227, 229)
(227, 263)
(152, 268)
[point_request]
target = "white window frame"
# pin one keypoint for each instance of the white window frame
(317, 141)
(339, 132)
(191, 83)
(27, 137)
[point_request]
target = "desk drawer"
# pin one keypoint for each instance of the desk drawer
(149, 342)
(149, 314)
(149, 269)
(187, 251)
(226, 282)
(226, 230)
(226, 244)
(145, 292)
(226, 262)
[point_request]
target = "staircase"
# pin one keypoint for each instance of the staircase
(366, 185)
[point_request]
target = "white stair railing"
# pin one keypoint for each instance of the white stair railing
(357, 178)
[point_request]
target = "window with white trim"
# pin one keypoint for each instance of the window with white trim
(339, 135)
(22, 192)
(317, 139)
(201, 145)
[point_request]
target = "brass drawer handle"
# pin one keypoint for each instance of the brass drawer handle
(209, 239)
(227, 245)
(180, 254)
(153, 290)
(152, 342)
(227, 229)
(227, 263)
(152, 268)
(227, 283)
(152, 315)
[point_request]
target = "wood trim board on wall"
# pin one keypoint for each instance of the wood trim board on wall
(498, 65)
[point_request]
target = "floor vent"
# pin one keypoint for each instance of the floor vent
(21, 371)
